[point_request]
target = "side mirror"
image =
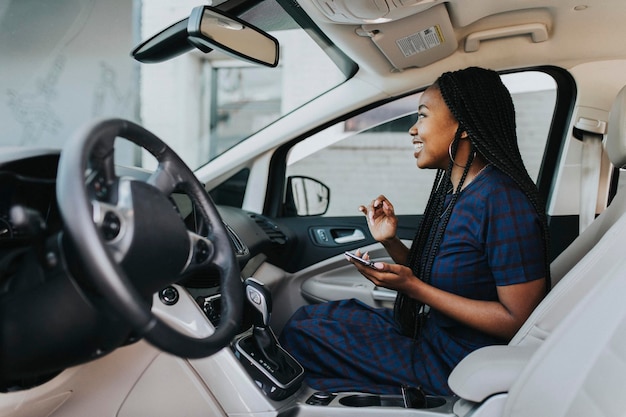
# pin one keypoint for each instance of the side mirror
(207, 29)
(306, 197)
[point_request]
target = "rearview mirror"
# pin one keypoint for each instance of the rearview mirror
(207, 29)
(306, 197)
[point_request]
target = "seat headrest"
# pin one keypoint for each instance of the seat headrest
(616, 134)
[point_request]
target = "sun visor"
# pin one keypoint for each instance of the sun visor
(414, 41)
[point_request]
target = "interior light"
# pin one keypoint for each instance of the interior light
(377, 21)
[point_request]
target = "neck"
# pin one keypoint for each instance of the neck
(478, 164)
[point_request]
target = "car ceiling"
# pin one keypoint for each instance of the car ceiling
(577, 32)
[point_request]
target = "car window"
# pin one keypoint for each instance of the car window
(372, 154)
(200, 104)
(206, 104)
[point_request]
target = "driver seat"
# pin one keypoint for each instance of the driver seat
(586, 264)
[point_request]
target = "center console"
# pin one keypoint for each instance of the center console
(273, 369)
(280, 377)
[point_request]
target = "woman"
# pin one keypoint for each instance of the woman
(478, 262)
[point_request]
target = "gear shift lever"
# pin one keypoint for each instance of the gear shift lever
(261, 299)
(274, 370)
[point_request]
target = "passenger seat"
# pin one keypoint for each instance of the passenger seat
(581, 369)
(587, 262)
(591, 254)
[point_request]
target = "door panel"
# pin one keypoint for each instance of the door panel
(337, 235)
(345, 282)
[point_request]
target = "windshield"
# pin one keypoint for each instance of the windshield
(67, 62)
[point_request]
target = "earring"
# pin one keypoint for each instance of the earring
(452, 158)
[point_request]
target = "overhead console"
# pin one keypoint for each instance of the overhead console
(417, 33)
(409, 33)
(417, 41)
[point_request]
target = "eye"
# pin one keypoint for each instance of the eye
(420, 116)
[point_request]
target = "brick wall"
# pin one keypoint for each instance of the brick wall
(359, 168)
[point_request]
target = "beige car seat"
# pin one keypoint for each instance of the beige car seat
(580, 370)
(587, 262)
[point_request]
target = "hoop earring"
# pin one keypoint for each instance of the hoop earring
(452, 158)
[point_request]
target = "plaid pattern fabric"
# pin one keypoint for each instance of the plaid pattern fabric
(493, 238)
(349, 346)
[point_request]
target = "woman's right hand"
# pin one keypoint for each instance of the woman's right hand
(381, 219)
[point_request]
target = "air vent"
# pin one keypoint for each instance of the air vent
(240, 248)
(272, 231)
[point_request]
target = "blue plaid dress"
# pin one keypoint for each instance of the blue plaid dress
(493, 239)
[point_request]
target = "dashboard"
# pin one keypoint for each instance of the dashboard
(27, 182)
(29, 214)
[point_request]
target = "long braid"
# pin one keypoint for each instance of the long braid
(428, 240)
(406, 309)
(444, 216)
(428, 218)
(484, 109)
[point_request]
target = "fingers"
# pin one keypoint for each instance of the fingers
(386, 206)
(384, 275)
(378, 207)
(379, 201)
(375, 275)
(364, 269)
(382, 206)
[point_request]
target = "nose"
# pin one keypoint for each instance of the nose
(413, 130)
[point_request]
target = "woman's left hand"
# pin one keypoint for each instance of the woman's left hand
(391, 276)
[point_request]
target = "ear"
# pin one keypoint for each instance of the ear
(464, 134)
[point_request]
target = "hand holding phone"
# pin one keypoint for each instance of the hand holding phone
(360, 260)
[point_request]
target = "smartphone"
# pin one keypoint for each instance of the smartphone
(361, 260)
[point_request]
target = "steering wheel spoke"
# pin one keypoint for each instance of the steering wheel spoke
(116, 221)
(201, 253)
(163, 179)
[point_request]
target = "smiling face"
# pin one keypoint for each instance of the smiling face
(434, 130)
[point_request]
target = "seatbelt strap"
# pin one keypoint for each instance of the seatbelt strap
(590, 132)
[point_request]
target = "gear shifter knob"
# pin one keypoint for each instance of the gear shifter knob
(274, 369)
(260, 298)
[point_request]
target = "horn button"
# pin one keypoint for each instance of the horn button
(160, 243)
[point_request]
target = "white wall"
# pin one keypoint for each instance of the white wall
(171, 91)
(42, 103)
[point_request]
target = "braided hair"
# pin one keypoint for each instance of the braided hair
(483, 107)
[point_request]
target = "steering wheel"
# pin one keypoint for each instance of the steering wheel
(131, 239)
